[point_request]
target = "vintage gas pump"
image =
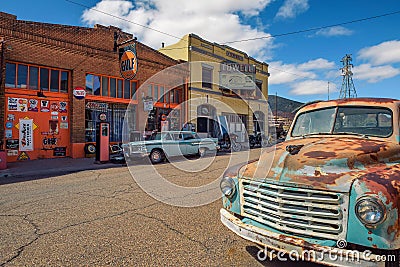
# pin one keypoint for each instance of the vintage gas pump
(102, 139)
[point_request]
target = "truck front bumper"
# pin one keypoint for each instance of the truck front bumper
(291, 247)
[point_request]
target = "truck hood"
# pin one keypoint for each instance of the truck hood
(324, 163)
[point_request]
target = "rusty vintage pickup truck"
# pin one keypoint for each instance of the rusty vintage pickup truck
(329, 193)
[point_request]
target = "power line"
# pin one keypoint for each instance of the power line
(314, 29)
(126, 20)
(243, 40)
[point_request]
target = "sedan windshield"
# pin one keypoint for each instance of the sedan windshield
(366, 121)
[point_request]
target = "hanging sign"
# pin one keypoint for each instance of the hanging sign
(79, 93)
(148, 105)
(25, 135)
(128, 62)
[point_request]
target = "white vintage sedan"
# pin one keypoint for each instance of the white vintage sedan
(168, 144)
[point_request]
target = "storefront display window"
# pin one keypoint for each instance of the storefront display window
(115, 114)
(10, 75)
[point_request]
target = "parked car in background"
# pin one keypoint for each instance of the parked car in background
(329, 192)
(162, 145)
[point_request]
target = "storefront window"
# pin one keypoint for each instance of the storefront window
(156, 92)
(134, 88)
(115, 114)
(64, 81)
(113, 87)
(150, 90)
(10, 74)
(161, 94)
(33, 77)
(44, 79)
(127, 89)
(54, 81)
(96, 85)
(104, 86)
(22, 76)
(89, 84)
(119, 88)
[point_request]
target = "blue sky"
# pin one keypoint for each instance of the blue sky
(301, 65)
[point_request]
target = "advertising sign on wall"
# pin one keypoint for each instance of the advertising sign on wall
(25, 134)
(128, 62)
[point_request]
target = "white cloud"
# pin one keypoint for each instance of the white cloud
(334, 31)
(287, 73)
(312, 87)
(291, 8)
(383, 53)
(206, 18)
(374, 74)
(317, 64)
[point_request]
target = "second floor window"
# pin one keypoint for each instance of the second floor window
(36, 78)
(206, 75)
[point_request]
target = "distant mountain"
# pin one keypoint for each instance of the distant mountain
(284, 106)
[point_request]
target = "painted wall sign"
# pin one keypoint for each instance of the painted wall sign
(12, 153)
(12, 104)
(63, 107)
(33, 105)
(53, 126)
(128, 63)
(102, 116)
(8, 133)
(97, 106)
(22, 105)
(148, 105)
(44, 105)
(23, 156)
(25, 134)
(12, 144)
(54, 107)
(60, 151)
(79, 93)
(10, 117)
(63, 125)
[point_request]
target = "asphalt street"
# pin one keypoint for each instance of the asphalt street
(104, 218)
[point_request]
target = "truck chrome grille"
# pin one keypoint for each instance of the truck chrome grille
(295, 211)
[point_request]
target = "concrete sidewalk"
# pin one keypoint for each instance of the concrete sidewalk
(43, 168)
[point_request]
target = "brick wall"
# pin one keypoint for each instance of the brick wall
(77, 49)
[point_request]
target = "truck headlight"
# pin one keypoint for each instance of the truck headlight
(370, 211)
(227, 186)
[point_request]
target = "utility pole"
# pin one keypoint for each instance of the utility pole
(348, 90)
(328, 91)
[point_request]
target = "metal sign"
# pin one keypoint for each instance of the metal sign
(148, 105)
(79, 92)
(128, 62)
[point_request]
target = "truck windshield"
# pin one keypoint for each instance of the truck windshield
(366, 121)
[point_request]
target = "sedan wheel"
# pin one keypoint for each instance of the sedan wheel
(156, 156)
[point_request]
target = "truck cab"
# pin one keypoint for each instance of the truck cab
(330, 192)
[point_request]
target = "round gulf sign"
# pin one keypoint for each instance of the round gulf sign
(128, 65)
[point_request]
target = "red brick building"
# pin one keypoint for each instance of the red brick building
(40, 66)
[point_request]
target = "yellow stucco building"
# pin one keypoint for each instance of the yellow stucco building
(225, 84)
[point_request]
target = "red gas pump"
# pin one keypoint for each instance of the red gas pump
(102, 142)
